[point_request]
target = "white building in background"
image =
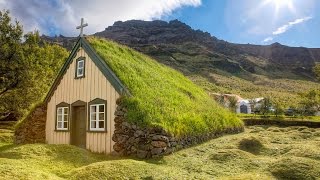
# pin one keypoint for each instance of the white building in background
(244, 106)
(247, 106)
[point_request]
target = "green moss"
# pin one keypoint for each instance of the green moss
(6, 136)
(162, 96)
(26, 115)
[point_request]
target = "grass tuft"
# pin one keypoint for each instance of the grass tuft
(162, 96)
(295, 168)
(251, 144)
(229, 154)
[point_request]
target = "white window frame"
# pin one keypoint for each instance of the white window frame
(78, 68)
(63, 120)
(97, 120)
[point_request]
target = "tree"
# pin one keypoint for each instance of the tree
(26, 69)
(253, 104)
(233, 103)
(11, 59)
(278, 108)
(310, 102)
(316, 70)
(266, 105)
(12, 64)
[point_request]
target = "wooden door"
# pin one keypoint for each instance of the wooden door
(78, 134)
(243, 109)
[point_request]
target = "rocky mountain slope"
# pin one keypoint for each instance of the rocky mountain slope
(160, 38)
(217, 65)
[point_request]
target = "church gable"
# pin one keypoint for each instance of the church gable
(74, 93)
(79, 64)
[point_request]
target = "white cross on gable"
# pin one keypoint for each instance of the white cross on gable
(82, 25)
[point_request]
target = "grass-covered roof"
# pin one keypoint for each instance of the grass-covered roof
(162, 96)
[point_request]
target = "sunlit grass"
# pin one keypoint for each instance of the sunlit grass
(279, 117)
(291, 152)
(162, 96)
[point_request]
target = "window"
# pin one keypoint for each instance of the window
(62, 118)
(97, 117)
(80, 69)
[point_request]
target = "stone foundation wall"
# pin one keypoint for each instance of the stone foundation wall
(32, 129)
(132, 140)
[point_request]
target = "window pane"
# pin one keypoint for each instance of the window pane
(65, 124)
(59, 117)
(101, 116)
(80, 64)
(59, 124)
(93, 109)
(59, 110)
(93, 116)
(65, 118)
(93, 124)
(101, 124)
(66, 110)
(80, 72)
(101, 108)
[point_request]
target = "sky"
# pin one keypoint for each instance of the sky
(289, 22)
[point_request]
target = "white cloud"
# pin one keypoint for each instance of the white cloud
(284, 28)
(267, 39)
(62, 16)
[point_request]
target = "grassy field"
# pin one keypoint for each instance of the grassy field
(261, 152)
(279, 117)
(226, 72)
(163, 96)
(284, 91)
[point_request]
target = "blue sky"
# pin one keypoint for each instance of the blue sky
(233, 21)
(289, 22)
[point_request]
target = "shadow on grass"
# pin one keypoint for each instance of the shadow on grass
(6, 147)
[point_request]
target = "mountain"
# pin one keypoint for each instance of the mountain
(218, 66)
(168, 38)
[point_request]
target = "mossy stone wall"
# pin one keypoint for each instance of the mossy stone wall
(146, 142)
(32, 129)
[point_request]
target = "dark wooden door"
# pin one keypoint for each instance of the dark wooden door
(78, 134)
(243, 109)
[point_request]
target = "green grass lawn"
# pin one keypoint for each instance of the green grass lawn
(162, 96)
(261, 152)
(279, 117)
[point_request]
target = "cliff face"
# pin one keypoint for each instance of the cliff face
(136, 33)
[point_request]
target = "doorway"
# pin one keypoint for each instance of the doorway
(243, 109)
(78, 125)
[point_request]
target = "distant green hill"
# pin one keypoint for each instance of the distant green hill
(162, 96)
